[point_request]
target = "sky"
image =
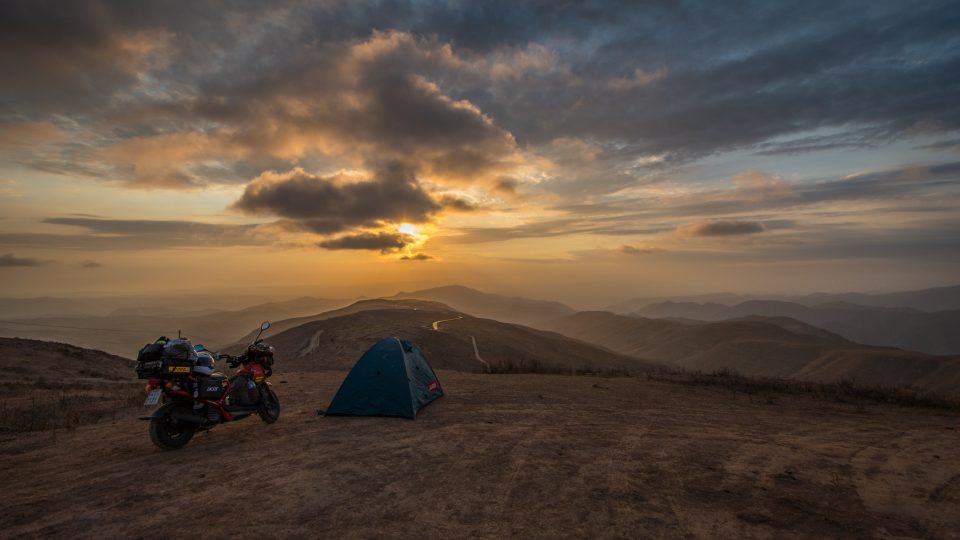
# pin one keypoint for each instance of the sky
(580, 151)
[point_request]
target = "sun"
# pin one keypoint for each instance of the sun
(416, 236)
(408, 228)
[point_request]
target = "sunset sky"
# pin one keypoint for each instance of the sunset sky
(579, 151)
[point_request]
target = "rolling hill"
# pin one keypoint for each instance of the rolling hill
(32, 360)
(755, 347)
(491, 306)
(337, 339)
(125, 332)
(931, 333)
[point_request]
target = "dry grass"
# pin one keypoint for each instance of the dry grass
(766, 388)
(535, 366)
(844, 391)
(44, 405)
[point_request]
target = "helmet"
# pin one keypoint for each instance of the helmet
(205, 363)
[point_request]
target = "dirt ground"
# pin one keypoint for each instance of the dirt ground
(504, 456)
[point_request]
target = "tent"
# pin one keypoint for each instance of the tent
(391, 379)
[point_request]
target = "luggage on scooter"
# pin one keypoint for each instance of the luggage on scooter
(210, 387)
(244, 392)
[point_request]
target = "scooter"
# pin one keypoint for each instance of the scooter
(196, 399)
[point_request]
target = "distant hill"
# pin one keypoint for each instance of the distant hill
(337, 341)
(32, 360)
(492, 306)
(934, 299)
(928, 332)
(755, 347)
(19, 308)
(634, 304)
(278, 326)
(124, 333)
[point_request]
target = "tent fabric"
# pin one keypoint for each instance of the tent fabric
(391, 379)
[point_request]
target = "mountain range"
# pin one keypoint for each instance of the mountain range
(929, 332)
(825, 342)
(933, 299)
(757, 347)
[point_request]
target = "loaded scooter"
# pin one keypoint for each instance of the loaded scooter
(195, 398)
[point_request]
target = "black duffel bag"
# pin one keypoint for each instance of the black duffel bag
(150, 360)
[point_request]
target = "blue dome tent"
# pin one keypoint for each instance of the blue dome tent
(391, 379)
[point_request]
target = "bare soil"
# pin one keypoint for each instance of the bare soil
(541, 456)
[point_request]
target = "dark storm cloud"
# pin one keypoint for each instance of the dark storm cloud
(381, 241)
(330, 204)
(10, 260)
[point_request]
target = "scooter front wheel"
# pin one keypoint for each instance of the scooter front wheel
(269, 406)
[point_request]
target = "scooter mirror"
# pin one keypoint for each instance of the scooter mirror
(265, 325)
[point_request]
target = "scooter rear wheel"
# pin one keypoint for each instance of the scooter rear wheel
(168, 433)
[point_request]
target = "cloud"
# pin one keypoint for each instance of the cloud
(633, 250)
(178, 99)
(72, 57)
(638, 79)
(131, 234)
(417, 257)
(506, 185)
(721, 228)
(457, 203)
(366, 102)
(382, 241)
(90, 264)
(334, 203)
(10, 260)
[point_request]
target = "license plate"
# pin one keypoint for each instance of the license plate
(153, 397)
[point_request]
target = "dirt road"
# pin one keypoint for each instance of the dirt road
(476, 350)
(505, 455)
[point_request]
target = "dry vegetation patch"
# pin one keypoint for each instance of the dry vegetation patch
(43, 405)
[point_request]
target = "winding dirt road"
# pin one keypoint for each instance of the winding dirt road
(476, 350)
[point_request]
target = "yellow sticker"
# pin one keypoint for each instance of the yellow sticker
(178, 369)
